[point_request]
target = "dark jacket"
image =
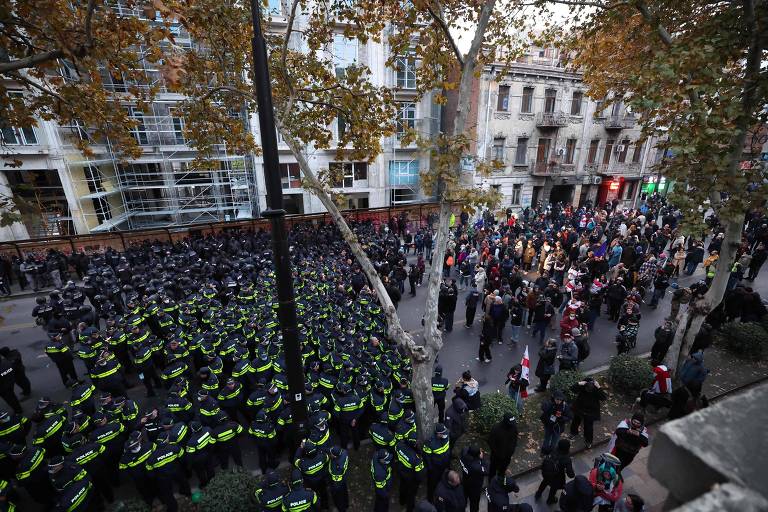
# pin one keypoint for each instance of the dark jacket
(577, 495)
(557, 465)
(449, 498)
(546, 363)
(561, 413)
(587, 401)
(663, 341)
(455, 418)
(503, 439)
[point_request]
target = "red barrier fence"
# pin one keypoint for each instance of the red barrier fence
(416, 215)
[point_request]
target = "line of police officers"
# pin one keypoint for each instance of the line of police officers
(191, 320)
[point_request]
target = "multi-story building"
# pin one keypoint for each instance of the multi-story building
(555, 143)
(76, 193)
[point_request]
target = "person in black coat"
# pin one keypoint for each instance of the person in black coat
(664, 335)
(474, 468)
(503, 441)
(577, 496)
(449, 494)
(545, 367)
(554, 469)
(586, 407)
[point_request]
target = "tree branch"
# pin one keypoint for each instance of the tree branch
(31, 61)
(88, 24)
(654, 22)
(438, 18)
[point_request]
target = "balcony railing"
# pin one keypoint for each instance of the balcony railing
(619, 122)
(551, 119)
(540, 169)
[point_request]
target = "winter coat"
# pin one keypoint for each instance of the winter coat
(569, 353)
(449, 498)
(552, 414)
(693, 371)
(455, 418)
(577, 495)
(567, 325)
(546, 363)
(587, 401)
(503, 439)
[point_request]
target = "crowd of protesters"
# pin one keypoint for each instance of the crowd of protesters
(195, 324)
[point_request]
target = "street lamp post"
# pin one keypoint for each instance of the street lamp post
(276, 214)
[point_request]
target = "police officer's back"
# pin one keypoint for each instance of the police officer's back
(298, 498)
(270, 496)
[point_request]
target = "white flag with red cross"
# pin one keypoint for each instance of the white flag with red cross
(526, 372)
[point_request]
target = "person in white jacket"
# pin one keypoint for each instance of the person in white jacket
(480, 278)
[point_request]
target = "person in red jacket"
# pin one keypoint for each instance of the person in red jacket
(607, 483)
(569, 322)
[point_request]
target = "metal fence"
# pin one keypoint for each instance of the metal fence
(416, 215)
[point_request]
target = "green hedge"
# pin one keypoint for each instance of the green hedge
(230, 492)
(629, 374)
(492, 411)
(562, 381)
(748, 340)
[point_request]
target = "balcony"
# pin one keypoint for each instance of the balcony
(619, 122)
(551, 120)
(542, 168)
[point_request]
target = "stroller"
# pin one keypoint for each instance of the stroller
(626, 340)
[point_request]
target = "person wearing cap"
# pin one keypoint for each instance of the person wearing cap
(630, 436)
(49, 430)
(81, 397)
(381, 474)
(348, 408)
(498, 494)
(59, 351)
(265, 434)
(111, 435)
(143, 362)
(298, 498)
(7, 381)
(13, 427)
(313, 465)
(164, 468)
(406, 426)
(380, 433)
(439, 387)
(231, 398)
(107, 374)
(77, 495)
(338, 464)
(31, 472)
(207, 408)
(555, 414)
(198, 452)
(456, 419)
(503, 441)
(474, 469)
(270, 495)
(136, 451)
(437, 457)
(410, 467)
(90, 456)
(180, 407)
(177, 430)
(569, 353)
(226, 433)
(319, 433)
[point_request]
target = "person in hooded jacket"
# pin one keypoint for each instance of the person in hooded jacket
(554, 469)
(456, 419)
(555, 413)
(503, 441)
(545, 367)
(449, 494)
(577, 496)
(693, 372)
(474, 469)
(586, 407)
(498, 495)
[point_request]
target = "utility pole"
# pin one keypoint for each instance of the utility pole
(276, 214)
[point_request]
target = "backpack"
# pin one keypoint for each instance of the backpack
(550, 467)
(449, 261)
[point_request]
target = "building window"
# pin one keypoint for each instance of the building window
(403, 172)
(576, 103)
(616, 109)
(608, 150)
(526, 104)
(593, 147)
(290, 175)
(570, 151)
(498, 149)
(502, 104)
(542, 151)
(406, 119)
(403, 195)
(341, 127)
(274, 7)
(637, 153)
(346, 173)
(344, 53)
(517, 192)
(599, 106)
(622, 150)
(140, 130)
(12, 136)
(550, 95)
(521, 152)
(406, 72)
(293, 203)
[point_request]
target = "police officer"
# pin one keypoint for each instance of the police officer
(208, 409)
(227, 445)
(439, 386)
(179, 406)
(410, 467)
(165, 468)
(7, 381)
(136, 451)
(381, 473)
(81, 397)
(141, 356)
(78, 496)
(31, 472)
(270, 497)
(337, 473)
(348, 407)
(177, 430)
(107, 374)
(437, 457)
(13, 428)
(498, 494)
(473, 468)
(299, 499)
(231, 397)
(199, 451)
(406, 426)
(48, 431)
(264, 432)
(13, 356)
(90, 456)
(380, 433)
(58, 350)
(313, 464)
(111, 435)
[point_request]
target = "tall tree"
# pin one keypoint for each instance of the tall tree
(696, 72)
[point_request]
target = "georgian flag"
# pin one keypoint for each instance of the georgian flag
(662, 382)
(525, 372)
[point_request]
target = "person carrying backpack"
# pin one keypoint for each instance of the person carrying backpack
(554, 469)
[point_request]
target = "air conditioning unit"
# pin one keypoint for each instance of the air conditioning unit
(620, 148)
(596, 180)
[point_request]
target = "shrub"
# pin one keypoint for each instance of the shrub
(562, 381)
(230, 492)
(491, 411)
(130, 505)
(629, 374)
(748, 340)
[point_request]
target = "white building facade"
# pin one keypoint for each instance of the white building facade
(555, 143)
